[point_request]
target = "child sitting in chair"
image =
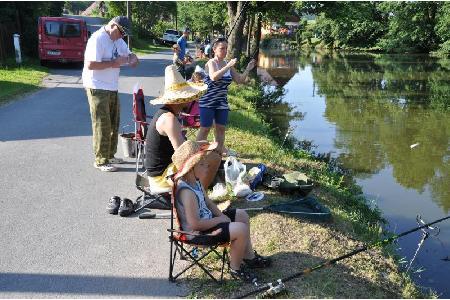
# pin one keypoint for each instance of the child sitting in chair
(197, 213)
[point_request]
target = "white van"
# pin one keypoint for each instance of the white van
(171, 36)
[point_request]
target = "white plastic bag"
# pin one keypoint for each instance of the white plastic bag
(233, 168)
(236, 176)
(219, 190)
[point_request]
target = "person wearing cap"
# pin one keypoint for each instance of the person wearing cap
(164, 133)
(105, 52)
(182, 42)
(198, 214)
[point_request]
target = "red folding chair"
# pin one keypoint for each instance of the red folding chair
(190, 120)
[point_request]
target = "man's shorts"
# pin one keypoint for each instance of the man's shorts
(222, 237)
(161, 184)
(208, 115)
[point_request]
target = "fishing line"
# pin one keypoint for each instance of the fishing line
(270, 288)
(425, 235)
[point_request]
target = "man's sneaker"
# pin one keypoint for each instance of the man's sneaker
(258, 261)
(113, 205)
(244, 275)
(105, 167)
(115, 160)
(126, 207)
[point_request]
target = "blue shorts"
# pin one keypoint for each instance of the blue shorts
(208, 115)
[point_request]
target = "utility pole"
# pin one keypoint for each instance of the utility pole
(129, 18)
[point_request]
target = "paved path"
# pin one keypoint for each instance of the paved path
(57, 241)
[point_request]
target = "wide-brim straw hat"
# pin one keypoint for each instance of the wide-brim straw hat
(177, 90)
(189, 154)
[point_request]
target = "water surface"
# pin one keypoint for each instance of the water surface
(382, 117)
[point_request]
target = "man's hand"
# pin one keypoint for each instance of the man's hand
(133, 61)
(250, 65)
(121, 60)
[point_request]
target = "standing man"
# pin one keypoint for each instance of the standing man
(105, 52)
(182, 42)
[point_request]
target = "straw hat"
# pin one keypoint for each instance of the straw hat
(177, 90)
(188, 155)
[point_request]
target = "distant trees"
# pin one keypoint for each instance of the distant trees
(22, 17)
(406, 26)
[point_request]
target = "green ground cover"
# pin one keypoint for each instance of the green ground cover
(16, 80)
(144, 46)
(296, 244)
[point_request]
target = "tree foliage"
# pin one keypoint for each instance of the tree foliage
(24, 16)
(144, 14)
(203, 17)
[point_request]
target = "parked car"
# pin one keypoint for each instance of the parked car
(171, 36)
(62, 39)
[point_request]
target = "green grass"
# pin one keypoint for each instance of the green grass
(16, 80)
(144, 46)
(296, 244)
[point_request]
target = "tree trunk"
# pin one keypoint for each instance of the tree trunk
(255, 42)
(249, 35)
(235, 33)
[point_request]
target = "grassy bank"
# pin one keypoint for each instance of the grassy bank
(17, 80)
(295, 244)
(144, 46)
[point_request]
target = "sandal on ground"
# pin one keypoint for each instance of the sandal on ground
(244, 275)
(113, 205)
(258, 261)
(126, 207)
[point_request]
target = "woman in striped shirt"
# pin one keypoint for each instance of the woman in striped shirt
(214, 104)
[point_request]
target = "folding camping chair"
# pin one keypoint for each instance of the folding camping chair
(147, 199)
(179, 243)
(190, 121)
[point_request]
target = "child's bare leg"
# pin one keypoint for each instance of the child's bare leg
(219, 135)
(242, 216)
(239, 240)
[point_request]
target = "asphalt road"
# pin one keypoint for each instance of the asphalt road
(57, 241)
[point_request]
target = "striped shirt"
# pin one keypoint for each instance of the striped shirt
(216, 95)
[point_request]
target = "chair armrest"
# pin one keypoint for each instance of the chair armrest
(216, 232)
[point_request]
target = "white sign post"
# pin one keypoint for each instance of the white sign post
(17, 48)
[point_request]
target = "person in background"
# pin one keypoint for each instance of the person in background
(214, 104)
(105, 52)
(179, 63)
(182, 43)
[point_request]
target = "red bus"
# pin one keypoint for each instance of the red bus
(62, 39)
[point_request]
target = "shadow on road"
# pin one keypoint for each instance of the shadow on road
(84, 284)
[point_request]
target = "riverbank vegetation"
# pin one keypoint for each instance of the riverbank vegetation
(297, 244)
(17, 79)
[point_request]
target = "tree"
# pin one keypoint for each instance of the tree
(236, 22)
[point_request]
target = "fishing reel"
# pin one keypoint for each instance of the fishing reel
(273, 290)
(428, 229)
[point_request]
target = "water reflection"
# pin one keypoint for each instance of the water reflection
(381, 105)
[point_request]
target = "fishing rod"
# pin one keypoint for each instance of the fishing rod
(272, 289)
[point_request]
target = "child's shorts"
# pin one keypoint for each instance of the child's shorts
(208, 115)
(222, 237)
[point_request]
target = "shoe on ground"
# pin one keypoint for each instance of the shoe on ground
(113, 205)
(126, 207)
(105, 167)
(244, 275)
(116, 160)
(258, 262)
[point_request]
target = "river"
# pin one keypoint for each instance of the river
(381, 116)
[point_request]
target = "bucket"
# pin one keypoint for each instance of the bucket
(128, 144)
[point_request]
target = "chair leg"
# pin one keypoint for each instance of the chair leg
(224, 255)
